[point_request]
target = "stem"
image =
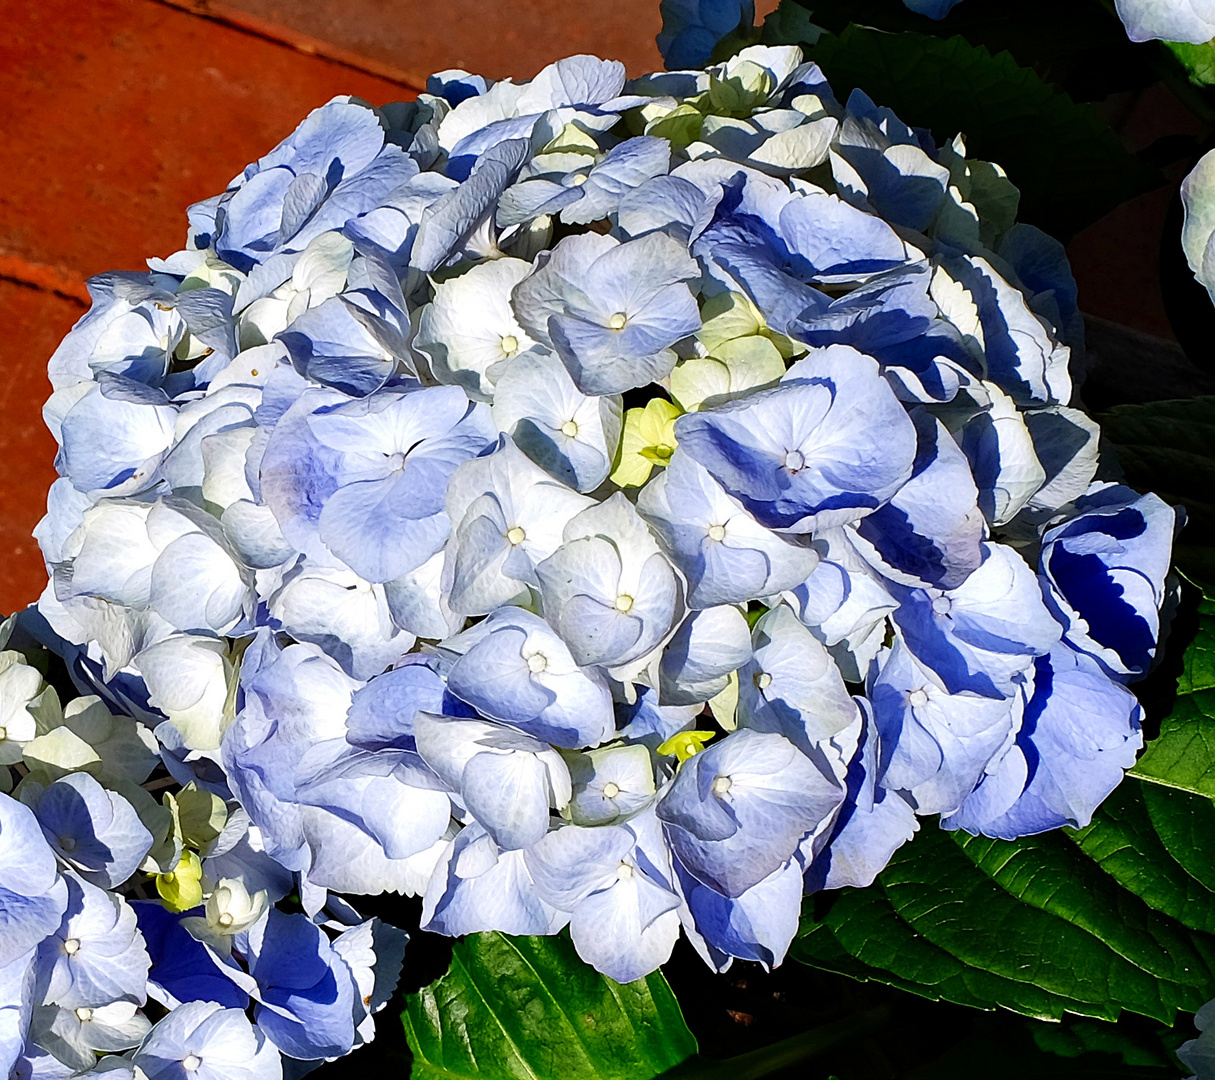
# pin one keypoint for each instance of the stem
(772, 1059)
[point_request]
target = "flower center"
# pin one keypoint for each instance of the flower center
(795, 460)
(226, 919)
(717, 532)
(917, 698)
(510, 344)
(569, 429)
(663, 451)
(624, 871)
(84, 1015)
(71, 946)
(396, 462)
(67, 843)
(762, 680)
(537, 662)
(3, 733)
(722, 784)
(191, 1062)
(515, 535)
(610, 790)
(579, 179)
(941, 605)
(617, 321)
(624, 603)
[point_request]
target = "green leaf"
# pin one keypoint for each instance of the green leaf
(789, 22)
(529, 1009)
(1183, 754)
(1198, 61)
(1145, 839)
(1078, 1037)
(1169, 447)
(1186, 827)
(1080, 47)
(1070, 166)
(1110, 918)
(1054, 1051)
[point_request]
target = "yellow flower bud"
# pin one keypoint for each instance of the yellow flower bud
(181, 888)
(685, 744)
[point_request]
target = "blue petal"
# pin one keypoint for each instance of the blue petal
(931, 530)
(93, 830)
(182, 970)
(476, 888)
(305, 989)
(739, 809)
(873, 823)
(1104, 571)
(691, 29)
(1080, 734)
(827, 446)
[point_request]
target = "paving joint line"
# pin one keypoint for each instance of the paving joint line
(278, 34)
(50, 279)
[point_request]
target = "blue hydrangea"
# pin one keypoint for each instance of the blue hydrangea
(35, 895)
(691, 29)
(579, 502)
(204, 1039)
(96, 832)
(934, 9)
(1103, 573)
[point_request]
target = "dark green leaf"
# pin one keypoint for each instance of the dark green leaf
(530, 1009)
(1169, 447)
(1070, 166)
(1077, 1037)
(1111, 918)
(1183, 754)
(777, 1059)
(1054, 1051)
(789, 22)
(1081, 47)
(864, 934)
(1145, 839)
(1042, 34)
(1186, 827)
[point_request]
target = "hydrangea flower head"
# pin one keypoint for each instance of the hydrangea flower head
(617, 504)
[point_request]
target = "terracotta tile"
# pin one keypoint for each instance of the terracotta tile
(503, 38)
(120, 113)
(32, 323)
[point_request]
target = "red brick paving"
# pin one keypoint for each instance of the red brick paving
(31, 324)
(496, 39)
(120, 113)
